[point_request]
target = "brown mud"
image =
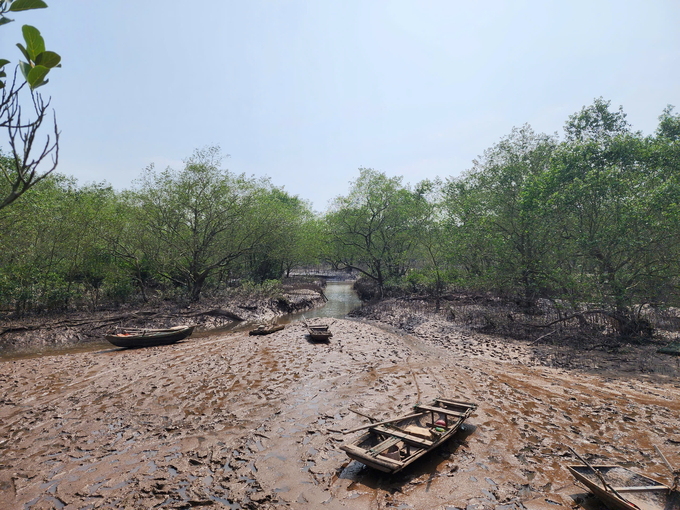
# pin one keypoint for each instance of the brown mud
(36, 333)
(232, 421)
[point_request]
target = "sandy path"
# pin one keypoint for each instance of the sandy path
(236, 421)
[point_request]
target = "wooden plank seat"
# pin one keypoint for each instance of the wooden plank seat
(418, 441)
(381, 447)
(642, 488)
(454, 402)
(377, 462)
(441, 410)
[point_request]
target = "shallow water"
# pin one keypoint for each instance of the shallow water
(341, 300)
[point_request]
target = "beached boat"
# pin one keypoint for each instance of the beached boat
(318, 332)
(622, 489)
(263, 329)
(391, 445)
(133, 338)
(672, 348)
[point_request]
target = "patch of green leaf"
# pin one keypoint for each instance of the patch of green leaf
(36, 77)
(25, 69)
(35, 44)
(23, 51)
(26, 5)
(48, 59)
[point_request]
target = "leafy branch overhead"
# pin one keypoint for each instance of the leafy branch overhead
(39, 61)
(28, 155)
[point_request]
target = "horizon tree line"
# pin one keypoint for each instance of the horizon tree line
(591, 218)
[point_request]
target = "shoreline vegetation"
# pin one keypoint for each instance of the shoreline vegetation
(584, 229)
(538, 285)
(244, 306)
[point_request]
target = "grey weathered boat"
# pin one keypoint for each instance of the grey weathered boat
(133, 338)
(391, 445)
(624, 489)
(318, 332)
(672, 348)
(263, 329)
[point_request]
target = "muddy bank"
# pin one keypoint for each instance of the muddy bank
(232, 421)
(600, 356)
(69, 329)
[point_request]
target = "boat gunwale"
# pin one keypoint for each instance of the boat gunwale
(154, 338)
(364, 456)
(607, 495)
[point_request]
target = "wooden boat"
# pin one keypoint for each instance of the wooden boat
(318, 333)
(133, 338)
(391, 445)
(624, 489)
(266, 330)
(672, 348)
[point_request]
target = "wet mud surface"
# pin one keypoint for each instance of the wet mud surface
(232, 421)
(64, 332)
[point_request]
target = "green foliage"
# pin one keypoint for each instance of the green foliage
(596, 123)
(593, 219)
(669, 125)
(589, 221)
(372, 228)
(38, 61)
(208, 224)
(25, 5)
(22, 169)
(496, 212)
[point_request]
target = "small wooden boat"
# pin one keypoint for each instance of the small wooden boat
(133, 338)
(266, 330)
(391, 445)
(672, 348)
(318, 333)
(622, 489)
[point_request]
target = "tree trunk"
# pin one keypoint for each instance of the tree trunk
(197, 287)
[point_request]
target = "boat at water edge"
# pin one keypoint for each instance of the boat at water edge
(134, 338)
(264, 329)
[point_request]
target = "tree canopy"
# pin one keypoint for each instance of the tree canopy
(591, 219)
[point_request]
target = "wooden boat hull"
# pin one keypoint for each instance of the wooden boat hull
(152, 338)
(266, 330)
(644, 492)
(320, 337)
(673, 349)
(392, 447)
(319, 333)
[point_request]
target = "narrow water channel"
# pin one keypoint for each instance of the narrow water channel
(341, 300)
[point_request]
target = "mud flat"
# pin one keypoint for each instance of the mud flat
(232, 421)
(60, 332)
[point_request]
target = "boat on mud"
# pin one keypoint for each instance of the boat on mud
(134, 338)
(318, 332)
(620, 488)
(264, 329)
(391, 445)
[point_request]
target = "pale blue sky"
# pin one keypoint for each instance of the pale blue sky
(307, 92)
